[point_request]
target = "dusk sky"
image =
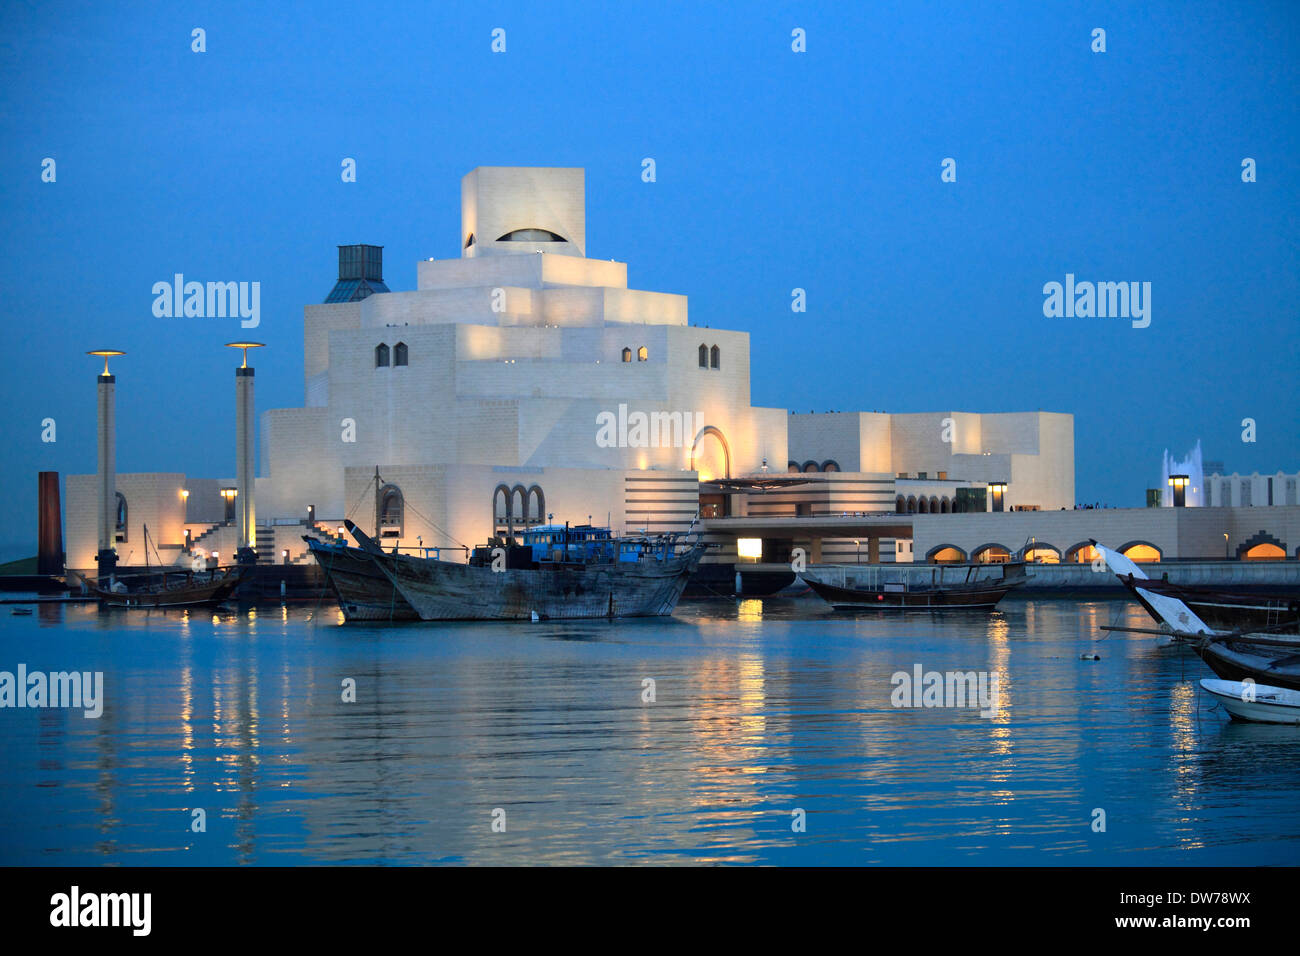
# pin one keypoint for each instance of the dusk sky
(775, 170)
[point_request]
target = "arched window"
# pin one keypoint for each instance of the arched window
(381, 356)
(811, 466)
(536, 505)
(120, 524)
(391, 509)
(519, 505)
(642, 354)
(531, 235)
(831, 465)
(792, 468)
(934, 505)
(715, 357)
(501, 508)
(900, 505)
(922, 505)
(945, 506)
(704, 356)
(627, 355)
(911, 504)
(399, 353)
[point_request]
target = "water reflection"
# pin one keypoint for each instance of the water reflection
(304, 741)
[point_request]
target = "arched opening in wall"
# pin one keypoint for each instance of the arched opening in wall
(946, 554)
(531, 235)
(704, 356)
(627, 355)
(392, 507)
(1140, 551)
(991, 554)
(399, 353)
(811, 466)
(911, 504)
(945, 506)
(831, 465)
(1264, 552)
(715, 357)
(792, 468)
(381, 356)
(119, 522)
(922, 505)
(710, 454)
(642, 354)
(1042, 554)
(1081, 553)
(501, 513)
(900, 505)
(536, 505)
(934, 505)
(519, 508)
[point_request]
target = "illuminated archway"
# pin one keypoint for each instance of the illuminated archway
(1261, 546)
(991, 554)
(1040, 553)
(1264, 552)
(712, 459)
(945, 554)
(1141, 551)
(1081, 553)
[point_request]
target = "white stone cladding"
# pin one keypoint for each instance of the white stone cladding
(1033, 452)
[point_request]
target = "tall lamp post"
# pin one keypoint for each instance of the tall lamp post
(106, 386)
(245, 507)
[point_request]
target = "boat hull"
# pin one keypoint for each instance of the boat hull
(1239, 660)
(363, 591)
(1222, 610)
(1259, 703)
(196, 594)
(444, 591)
(983, 598)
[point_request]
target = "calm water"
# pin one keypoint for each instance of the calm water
(760, 707)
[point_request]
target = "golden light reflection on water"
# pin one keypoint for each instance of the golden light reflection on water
(751, 609)
(999, 663)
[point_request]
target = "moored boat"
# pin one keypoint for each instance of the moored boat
(558, 572)
(1258, 703)
(363, 591)
(949, 587)
(163, 588)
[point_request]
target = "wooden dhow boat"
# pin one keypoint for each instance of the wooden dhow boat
(161, 586)
(557, 573)
(1268, 656)
(948, 587)
(167, 587)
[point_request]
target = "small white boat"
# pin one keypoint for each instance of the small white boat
(1255, 702)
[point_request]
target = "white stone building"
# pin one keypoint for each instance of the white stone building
(522, 379)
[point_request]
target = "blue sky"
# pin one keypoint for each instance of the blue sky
(776, 170)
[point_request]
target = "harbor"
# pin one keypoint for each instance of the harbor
(760, 707)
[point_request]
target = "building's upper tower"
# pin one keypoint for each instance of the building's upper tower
(507, 210)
